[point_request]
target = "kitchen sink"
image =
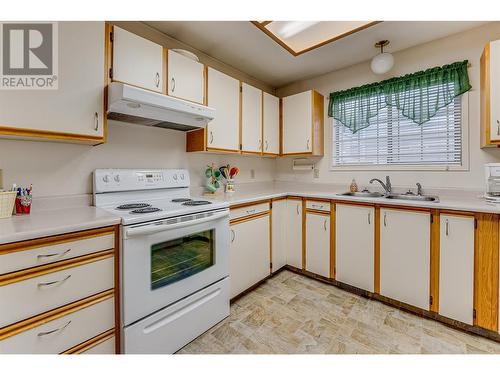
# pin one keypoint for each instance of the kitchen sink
(413, 197)
(363, 194)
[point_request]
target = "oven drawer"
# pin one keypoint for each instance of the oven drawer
(240, 212)
(64, 332)
(173, 327)
(39, 293)
(318, 205)
(50, 253)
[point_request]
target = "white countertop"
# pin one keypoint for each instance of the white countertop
(43, 223)
(452, 202)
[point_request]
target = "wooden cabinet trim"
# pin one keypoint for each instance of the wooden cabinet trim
(435, 258)
(55, 240)
(89, 344)
(317, 212)
(332, 242)
(247, 204)
(51, 315)
(376, 270)
(14, 277)
(249, 217)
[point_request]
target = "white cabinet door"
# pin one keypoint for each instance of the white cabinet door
(137, 61)
(318, 244)
(76, 107)
(278, 250)
(456, 268)
(185, 78)
(250, 254)
(355, 245)
(223, 132)
(294, 233)
(251, 118)
(297, 123)
(271, 116)
(494, 90)
(405, 256)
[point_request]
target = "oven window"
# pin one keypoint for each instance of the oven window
(178, 259)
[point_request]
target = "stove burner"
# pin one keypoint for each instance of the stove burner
(180, 200)
(145, 210)
(132, 206)
(196, 203)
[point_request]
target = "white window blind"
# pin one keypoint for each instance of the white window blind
(392, 139)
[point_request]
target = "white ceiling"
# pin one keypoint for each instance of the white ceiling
(245, 47)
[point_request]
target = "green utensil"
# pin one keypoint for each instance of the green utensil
(211, 188)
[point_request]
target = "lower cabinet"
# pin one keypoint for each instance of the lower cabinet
(405, 256)
(279, 220)
(294, 233)
(318, 243)
(250, 253)
(355, 245)
(456, 267)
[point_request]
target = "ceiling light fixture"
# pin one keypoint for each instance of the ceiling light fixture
(384, 61)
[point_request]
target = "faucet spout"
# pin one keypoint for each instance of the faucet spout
(387, 186)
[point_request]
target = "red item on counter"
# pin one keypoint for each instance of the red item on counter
(22, 209)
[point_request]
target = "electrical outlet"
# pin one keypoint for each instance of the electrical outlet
(316, 173)
(252, 173)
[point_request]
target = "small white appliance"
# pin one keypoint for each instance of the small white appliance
(133, 104)
(174, 257)
(492, 182)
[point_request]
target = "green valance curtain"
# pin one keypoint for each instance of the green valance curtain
(418, 96)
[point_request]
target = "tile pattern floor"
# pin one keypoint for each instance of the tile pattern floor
(290, 313)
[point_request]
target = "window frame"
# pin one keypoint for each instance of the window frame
(412, 167)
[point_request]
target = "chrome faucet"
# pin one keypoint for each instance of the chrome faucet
(387, 186)
(419, 188)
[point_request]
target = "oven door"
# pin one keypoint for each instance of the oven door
(167, 260)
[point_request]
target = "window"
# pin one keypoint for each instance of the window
(393, 140)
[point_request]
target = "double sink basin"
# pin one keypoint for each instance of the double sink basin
(407, 196)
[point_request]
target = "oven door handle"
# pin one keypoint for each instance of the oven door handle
(155, 228)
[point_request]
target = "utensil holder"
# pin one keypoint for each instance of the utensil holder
(230, 185)
(7, 200)
(23, 204)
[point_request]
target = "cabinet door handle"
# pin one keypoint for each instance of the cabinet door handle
(157, 79)
(369, 217)
(233, 235)
(53, 254)
(40, 334)
(211, 137)
(307, 147)
(324, 224)
(96, 121)
(50, 283)
(260, 144)
(447, 231)
(172, 84)
(385, 219)
(267, 145)
(298, 209)
(498, 127)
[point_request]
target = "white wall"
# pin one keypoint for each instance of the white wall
(65, 169)
(467, 45)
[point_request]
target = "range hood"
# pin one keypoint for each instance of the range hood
(132, 104)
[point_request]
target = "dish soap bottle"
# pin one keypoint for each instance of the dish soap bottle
(353, 188)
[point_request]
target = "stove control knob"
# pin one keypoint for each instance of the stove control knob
(105, 178)
(175, 177)
(117, 178)
(182, 176)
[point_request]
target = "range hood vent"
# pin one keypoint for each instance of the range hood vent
(132, 104)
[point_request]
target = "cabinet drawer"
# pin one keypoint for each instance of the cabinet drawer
(105, 347)
(64, 332)
(50, 253)
(237, 213)
(40, 293)
(318, 205)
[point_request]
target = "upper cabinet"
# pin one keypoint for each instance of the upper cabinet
(251, 119)
(185, 78)
(74, 112)
(271, 124)
(137, 61)
(490, 95)
(303, 119)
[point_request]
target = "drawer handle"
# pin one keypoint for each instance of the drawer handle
(251, 211)
(233, 235)
(318, 206)
(41, 334)
(53, 254)
(49, 283)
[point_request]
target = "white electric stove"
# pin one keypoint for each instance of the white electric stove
(174, 257)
